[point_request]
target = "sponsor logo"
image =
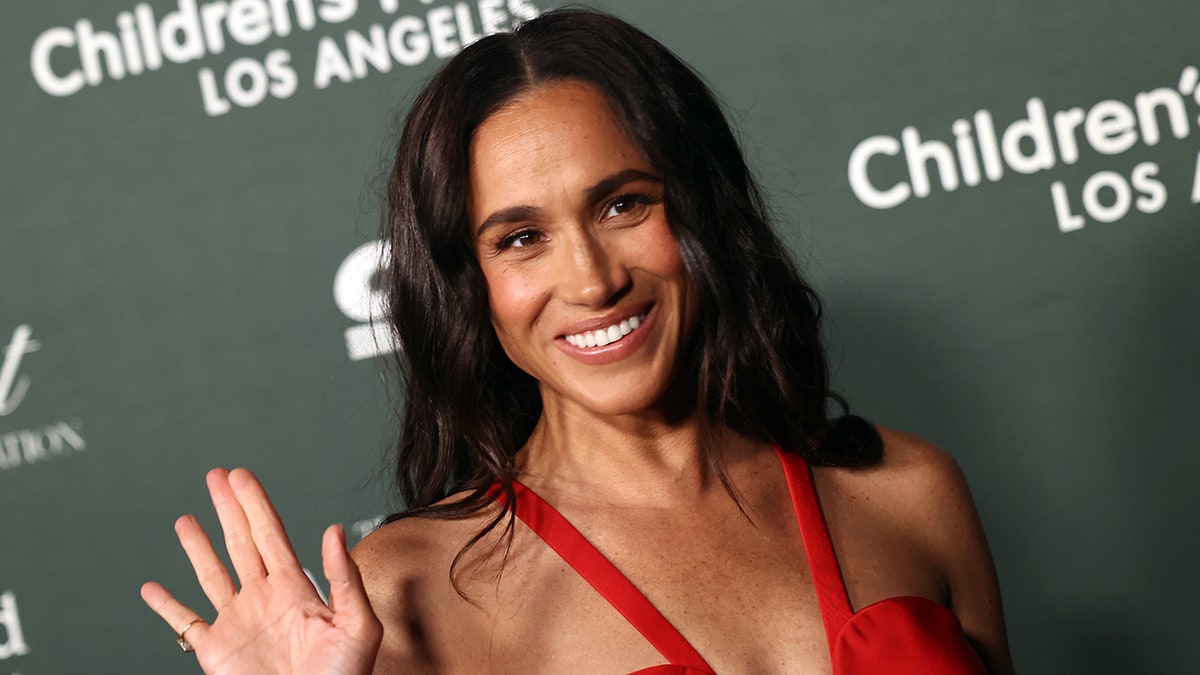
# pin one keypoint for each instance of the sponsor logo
(358, 292)
(12, 638)
(885, 172)
(39, 443)
(64, 60)
(13, 386)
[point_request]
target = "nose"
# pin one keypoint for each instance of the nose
(593, 275)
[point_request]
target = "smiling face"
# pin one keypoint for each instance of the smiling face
(587, 290)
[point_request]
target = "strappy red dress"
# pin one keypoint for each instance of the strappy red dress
(905, 634)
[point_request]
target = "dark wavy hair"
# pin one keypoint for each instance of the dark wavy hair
(757, 352)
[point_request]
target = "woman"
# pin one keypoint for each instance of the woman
(615, 390)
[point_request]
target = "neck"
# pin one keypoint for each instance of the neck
(651, 455)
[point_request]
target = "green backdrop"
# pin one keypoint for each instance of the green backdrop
(997, 200)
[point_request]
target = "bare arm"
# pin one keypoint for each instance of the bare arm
(957, 542)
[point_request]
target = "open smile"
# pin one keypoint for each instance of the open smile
(609, 340)
(608, 334)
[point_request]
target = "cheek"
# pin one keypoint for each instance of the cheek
(514, 299)
(660, 253)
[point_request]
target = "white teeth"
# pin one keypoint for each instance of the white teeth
(605, 336)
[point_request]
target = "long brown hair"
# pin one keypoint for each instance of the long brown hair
(757, 353)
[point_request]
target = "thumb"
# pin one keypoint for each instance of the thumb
(347, 596)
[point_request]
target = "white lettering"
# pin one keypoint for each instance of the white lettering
(283, 79)
(1114, 182)
(10, 620)
(442, 31)
(330, 64)
(918, 153)
(249, 21)
(211, 16)
(179, 34)
(989, 149)
(337, 11)
(29, 446)
(246, 82)
(360, 297)
(361, 51)
(39, 63)
(968, 162)
(12, 390)
(1110, 127)
(492, 16)
(1036, 128)
(408, 41)
(1196, 182)
(1065, 123)
(1067, 221)
(861, 183)
(1152, 193)
(94, 44)
(1147, 104)
(466, 27)
(148, 35)
(523, 10)
(129, 44)
(214, 103)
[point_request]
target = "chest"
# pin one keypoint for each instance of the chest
(738, 590)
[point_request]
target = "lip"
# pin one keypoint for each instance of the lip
(615, 351)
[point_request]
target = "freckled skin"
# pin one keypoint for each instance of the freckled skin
(583, 255)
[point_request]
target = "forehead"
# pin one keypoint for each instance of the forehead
(554, 138)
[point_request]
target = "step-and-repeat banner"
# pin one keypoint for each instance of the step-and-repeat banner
(1000, 203)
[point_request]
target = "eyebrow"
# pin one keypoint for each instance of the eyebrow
(594, 193)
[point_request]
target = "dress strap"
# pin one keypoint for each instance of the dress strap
(827, 577)
(603, 576)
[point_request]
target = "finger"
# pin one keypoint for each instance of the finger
(347, 596)
(210, 571)
(265, 526)
(238, 540)
(175, 613)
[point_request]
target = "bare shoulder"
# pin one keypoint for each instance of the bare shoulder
(919, 478)
(405, 567)
(397, 555)
(915, 485)
(918, 489)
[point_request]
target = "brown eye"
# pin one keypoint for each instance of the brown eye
(626, 207)
(520, 239)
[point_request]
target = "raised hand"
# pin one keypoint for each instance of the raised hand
(276, 622)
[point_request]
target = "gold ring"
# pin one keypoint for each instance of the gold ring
(183, 641)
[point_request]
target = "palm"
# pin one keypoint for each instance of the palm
(276, 622)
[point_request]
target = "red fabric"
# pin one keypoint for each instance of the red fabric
(906, 634)
(898, 635)
(603, 576)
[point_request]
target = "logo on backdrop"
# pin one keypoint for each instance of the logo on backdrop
(12, 638)
(1027, 146)
(64, 60)
(36, 444)
(358, 292)
(14, 386)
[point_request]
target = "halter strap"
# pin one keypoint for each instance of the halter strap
(827, 577)
(603, 576)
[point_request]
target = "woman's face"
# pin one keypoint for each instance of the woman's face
(588, 292)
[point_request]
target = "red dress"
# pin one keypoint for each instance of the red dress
(905, 634)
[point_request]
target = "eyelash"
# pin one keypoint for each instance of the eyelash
(633, 198)
(506, 243)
